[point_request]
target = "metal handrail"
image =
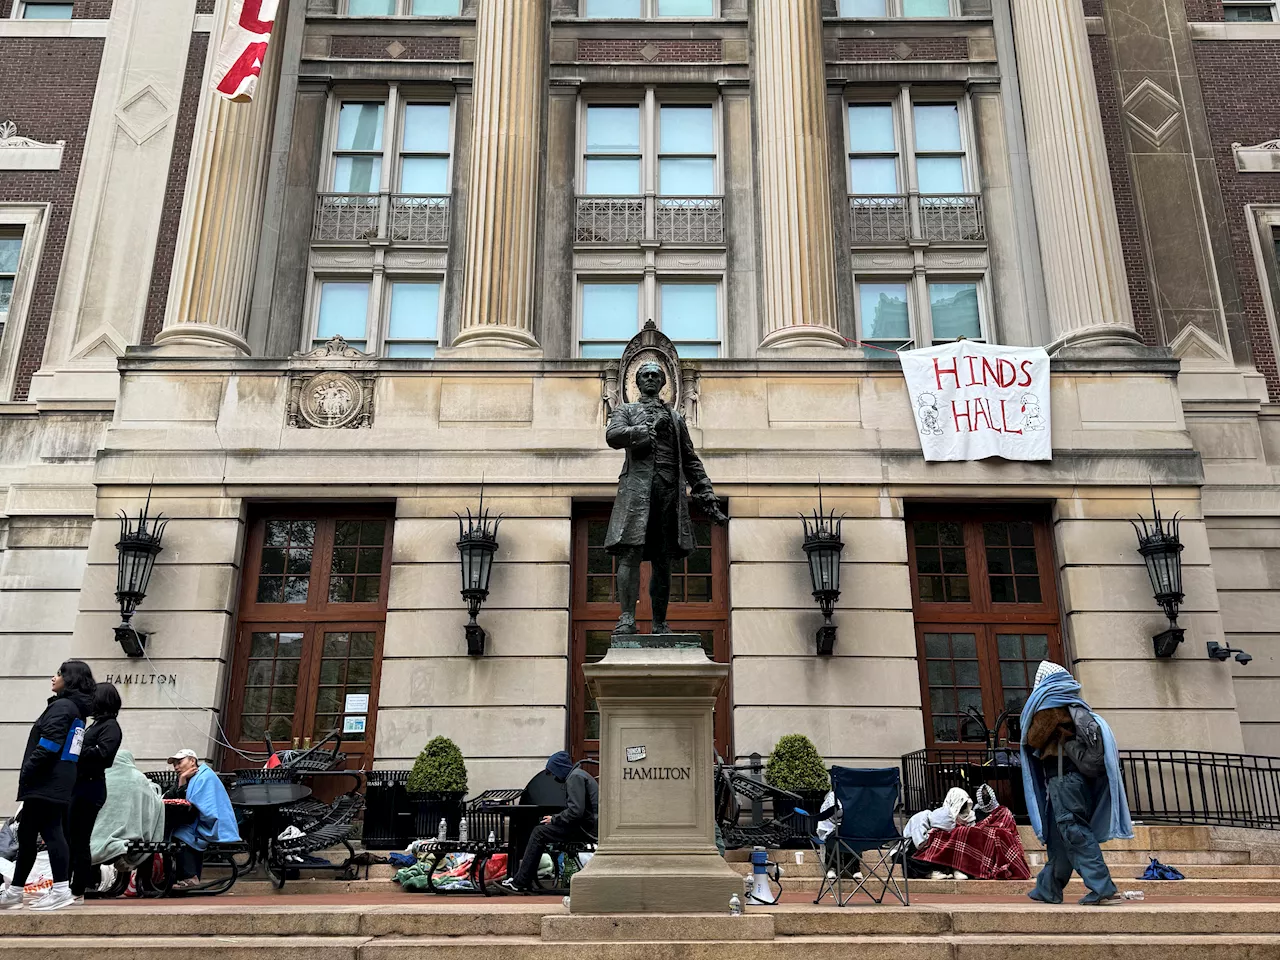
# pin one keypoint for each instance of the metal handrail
(898, 218)
(404, 217)
(666, 219)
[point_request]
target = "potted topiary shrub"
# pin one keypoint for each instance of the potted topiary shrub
(436, 788)
(795, 765)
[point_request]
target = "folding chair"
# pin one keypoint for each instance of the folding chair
(867, 833)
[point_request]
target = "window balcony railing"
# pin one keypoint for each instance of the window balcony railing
(407, 217)
(693, 220)
(898, 218)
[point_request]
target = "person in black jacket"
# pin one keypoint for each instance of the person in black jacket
(101, 741)
(576, 823)
(46, 783)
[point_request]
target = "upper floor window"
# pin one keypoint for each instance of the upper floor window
(898, 8)
(36, 10)
(1251, 11)
(405, 8)
(686, 310)
(390, 317)
(897, 312)
(910, 174)
(10, 248)
(641, 9)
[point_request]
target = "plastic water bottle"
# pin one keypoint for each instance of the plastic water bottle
(492, 839)
(462, 831)
(442, 831)
(735, 906)
(1133, 895)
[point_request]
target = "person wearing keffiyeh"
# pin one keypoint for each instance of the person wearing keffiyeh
(1075, 792)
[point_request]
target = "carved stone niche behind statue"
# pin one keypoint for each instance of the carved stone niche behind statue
(650, 518)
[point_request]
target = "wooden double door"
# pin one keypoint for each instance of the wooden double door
(986, 613)
(699, 604)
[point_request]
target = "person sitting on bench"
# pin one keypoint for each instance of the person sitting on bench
(576, 823)
(215, 820)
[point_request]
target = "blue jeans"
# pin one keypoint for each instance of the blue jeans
(1071, 843)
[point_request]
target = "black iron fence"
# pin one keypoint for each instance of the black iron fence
(1171, 786)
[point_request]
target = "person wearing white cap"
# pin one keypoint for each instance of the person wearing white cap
(215, 820)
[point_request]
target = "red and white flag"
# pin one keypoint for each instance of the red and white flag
(244, 48)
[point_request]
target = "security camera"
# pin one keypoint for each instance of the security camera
(1242, 657)
(1217, 651)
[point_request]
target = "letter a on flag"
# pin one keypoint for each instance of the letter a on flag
(244, 48)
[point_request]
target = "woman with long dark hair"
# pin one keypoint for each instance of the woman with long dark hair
(46, 783)
(101, 741)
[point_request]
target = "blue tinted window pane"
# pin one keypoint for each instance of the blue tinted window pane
(613, 8)
(47, 11)
(603, 351)
(940, 174)
(938, 128)
(613, 177)
(954, 309)
(360, 126)
(698, 351)
(686, 130)
(435, 8)
(686, 8)
(871, 129)
(926, 8)
(689, 311)
(884, 311)
(6, 296)
(686, 178)
(415, 309)
(425, 175)
(863, 8)
(357, 174)
(426, 128)
(418, 351)
(10, 247)
(344, 308)
(610, 311)
(613, 130)
(873, 175)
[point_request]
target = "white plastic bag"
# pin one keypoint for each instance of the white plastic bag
(40, 879)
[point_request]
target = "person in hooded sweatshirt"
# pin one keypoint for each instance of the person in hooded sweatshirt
(576, 823)
(46, 783)
(101, 741)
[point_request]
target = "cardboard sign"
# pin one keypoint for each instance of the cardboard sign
(975, 400)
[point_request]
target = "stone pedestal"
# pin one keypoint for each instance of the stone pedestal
(657, 851)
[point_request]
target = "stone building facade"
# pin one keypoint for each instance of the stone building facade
(486, 199)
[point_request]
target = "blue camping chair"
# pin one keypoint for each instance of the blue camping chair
(868, 834)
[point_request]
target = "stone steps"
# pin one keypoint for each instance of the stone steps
(1233, 871)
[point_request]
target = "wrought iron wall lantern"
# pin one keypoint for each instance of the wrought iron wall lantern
(477, 543)
(136, 557)
(1162, 552)
(822, 548)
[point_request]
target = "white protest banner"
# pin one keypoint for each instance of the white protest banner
(244, 48)
(974, 400)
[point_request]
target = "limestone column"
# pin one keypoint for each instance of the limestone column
(511, 55)
(797, 292)
(1075, 210)
(212, 286)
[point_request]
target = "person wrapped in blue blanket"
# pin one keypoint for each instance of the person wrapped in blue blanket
(215, 820)
(1075, 793)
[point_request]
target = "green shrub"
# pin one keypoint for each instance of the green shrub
(438, 769)
(796, 765)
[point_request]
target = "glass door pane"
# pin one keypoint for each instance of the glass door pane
(344, 689)
(270, 694)
(954, 676)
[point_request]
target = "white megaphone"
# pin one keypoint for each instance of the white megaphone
(761, 890)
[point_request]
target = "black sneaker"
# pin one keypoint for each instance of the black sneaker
(510, 886)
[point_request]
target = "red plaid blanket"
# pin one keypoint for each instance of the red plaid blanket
(990, 850)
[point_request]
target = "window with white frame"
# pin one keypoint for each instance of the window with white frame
(10, 248)
(910, 175)
(647, 9)
(686, 309)
(41, 10)
(899, 8)
(402, 8)
(904, 312)
(391, 317)
(1251, 11)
